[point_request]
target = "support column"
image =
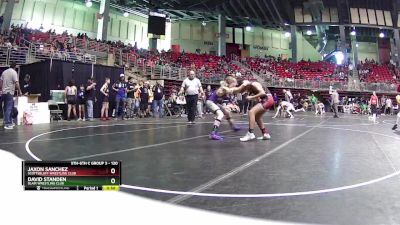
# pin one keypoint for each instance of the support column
(378, 57)
(152, 44)
(102, 26)
(293, 43)
(397, 46)
(342, 39)
(222, 35)
(7, 15)
(354, 50)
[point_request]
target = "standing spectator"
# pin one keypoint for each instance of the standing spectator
(313, 101)
(137, 100)
(276, 101)
(388, 106)
(191, 86)
(26, 85)
(10, 82)
(105, 91)
(81, 102)
(373, 102)
(120, 88)
(383, 103)
(144, 99)
(71, 93)
(158, 101)
(335, 101)
(130, 101)
(90, 97)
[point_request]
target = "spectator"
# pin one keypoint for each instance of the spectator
(105, 91)
(373, 102)
(388, 106)
(144, 98)
(383, 103)
(81, 102)
(191, 86)
(158, 101)
(120, 88)
(334, 101)
(90, 97)
(313, 101)
(26, 85)
(276, 100)
(132, 87)
(10, 82)
(71, 93)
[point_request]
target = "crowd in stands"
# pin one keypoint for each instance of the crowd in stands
(272, 67)
(372, 72)
(68, 47)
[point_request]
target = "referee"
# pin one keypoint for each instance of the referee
(191, 86)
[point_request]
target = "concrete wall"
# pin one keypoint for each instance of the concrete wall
(191, 35)
(367, 50)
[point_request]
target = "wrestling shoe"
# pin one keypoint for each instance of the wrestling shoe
(215, 136)
(394, 127)
(264, 137)
(248, 137)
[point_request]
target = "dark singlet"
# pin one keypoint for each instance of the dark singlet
(105, 97)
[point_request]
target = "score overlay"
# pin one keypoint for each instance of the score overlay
(71, 175)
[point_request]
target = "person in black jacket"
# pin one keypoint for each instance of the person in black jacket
(158, 101)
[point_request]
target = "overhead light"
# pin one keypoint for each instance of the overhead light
(126, 14)
(353, 33)
(381, 35)
(286, 24)
(89, 3)
(339, 56)
(248, 28)
(356, 45)
(203, 23)
(309, 32)
(287, 34)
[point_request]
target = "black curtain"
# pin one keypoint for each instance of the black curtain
(55, 75)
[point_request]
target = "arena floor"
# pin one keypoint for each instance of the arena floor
(314, 170)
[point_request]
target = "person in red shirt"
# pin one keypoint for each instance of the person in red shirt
(373, 103)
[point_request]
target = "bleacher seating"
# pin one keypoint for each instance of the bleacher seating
(373, 73)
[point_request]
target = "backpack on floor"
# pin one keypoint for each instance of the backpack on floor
(28, 118)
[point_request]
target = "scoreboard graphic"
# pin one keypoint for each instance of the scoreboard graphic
(71, 175)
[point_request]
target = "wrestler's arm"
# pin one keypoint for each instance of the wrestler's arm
(239, 89)
(261, 92)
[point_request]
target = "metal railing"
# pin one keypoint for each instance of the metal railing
(18, 55)
(42, 52)
(325, 85)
